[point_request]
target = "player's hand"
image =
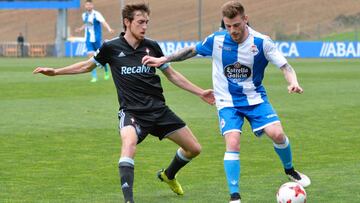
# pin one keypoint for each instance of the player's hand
(295, 88)
(78, 29)
(152, 61)
(45, 71)
(208, 96)
(111, 30)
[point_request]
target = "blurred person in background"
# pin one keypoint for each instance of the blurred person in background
(20, 41)
(93, 20)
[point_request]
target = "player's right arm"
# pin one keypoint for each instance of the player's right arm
(181, 55)
(77, 68)
(80, 28)
(204, 48)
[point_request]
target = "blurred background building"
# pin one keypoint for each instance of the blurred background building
(191, 20)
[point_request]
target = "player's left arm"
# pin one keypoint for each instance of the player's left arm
(273, 55)
(180, 81)
(291, 78)
(107, 26)
(102, 20)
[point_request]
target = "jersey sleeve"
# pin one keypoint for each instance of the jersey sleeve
(272, 54)
(101, 56)
(83, 17)
(159, 53)
(100, 17)
(205, 47)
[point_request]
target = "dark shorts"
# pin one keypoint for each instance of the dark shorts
(159, 123)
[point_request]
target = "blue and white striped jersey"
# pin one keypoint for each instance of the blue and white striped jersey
(238, 69)
(92, 23)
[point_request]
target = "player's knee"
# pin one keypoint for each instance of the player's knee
(279, 137)
(195, 150)
(233, 147)
(233, 143)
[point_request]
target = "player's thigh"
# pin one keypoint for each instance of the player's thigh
(275, 132)
(128, 141)
(129, 126)
(261, 116)
(185, 139)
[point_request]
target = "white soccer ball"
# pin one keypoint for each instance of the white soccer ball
(291, 192)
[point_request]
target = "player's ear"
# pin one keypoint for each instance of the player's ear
(246, 18)
(127, 22)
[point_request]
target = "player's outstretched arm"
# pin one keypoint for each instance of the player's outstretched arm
(79, 29)
(291, 78)
(77, 68)
(180, 81)
(107, 26)
(180, 55)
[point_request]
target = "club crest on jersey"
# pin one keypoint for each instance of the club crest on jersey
(254, 50)
(222, 123)
(236, 72)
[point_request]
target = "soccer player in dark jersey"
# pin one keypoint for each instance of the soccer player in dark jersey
(142, 105)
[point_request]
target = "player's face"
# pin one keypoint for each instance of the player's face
(88, 6)
(237, 27)
(139, 25)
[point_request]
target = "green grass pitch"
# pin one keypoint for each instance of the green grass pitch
(59, 140)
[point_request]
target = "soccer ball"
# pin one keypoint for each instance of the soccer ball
(291, 192)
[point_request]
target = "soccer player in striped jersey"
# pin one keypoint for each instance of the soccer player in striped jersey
(93, 33)
(240, 56)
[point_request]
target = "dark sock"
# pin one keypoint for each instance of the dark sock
(235, 196)
(126, 171)
(177, 163)
(291, 171)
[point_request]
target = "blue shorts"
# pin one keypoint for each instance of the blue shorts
(93, 46)
(259, 116)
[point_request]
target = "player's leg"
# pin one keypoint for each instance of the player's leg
(106, 73)
(126, 162)
(232, 164)
(263, 119)
(131, 134)
(281, 144)
(189, 148)
(169, 125)
(90, 53)
(97, 46)
(231, 122)
(282, 148)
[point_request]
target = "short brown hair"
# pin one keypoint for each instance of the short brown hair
(129, 11)
(232, 9)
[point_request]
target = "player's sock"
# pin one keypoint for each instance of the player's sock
(284, 152)
(177, 163)
(126, 171)
(93, 73)
(232, 170)
(106, 70)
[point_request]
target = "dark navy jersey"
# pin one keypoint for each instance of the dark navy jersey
(138, 87)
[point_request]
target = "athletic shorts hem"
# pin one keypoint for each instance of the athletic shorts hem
(165, 136)
(264, 126)
(231, 130)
